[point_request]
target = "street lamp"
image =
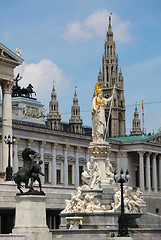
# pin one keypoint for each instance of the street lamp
(122, 220)
(9, 170)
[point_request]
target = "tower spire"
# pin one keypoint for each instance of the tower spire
(75, 120)
(111, 76)
(75, 89)
(110, 20)
(53, 116)
(53, 84)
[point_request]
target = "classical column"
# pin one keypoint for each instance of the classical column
(141, 169)
(76, 167)
(124, 163)
(87, 154)
(160, 172)
(29, 142)
(42, 158)
(154, 172)
(148, 176)
(65, 180)
(54, 145)
(118, 155)
(6, 120)
(15, 157)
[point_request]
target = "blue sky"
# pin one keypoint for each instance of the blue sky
(63, 41)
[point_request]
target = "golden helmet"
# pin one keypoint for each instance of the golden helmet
(98, 87)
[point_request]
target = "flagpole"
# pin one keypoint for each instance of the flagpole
(107, 124)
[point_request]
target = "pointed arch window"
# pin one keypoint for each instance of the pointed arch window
(108, 50)
(120, 83)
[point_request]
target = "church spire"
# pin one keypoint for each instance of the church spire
(53, 116)
(110, 76)
(75, 121)
(110, 21)
(136, 122)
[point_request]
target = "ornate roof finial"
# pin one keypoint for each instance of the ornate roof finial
(54, 85)
(75, 89)
(110, 20)
(136, 105)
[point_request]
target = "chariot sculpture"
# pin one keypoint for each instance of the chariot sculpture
(17, 91)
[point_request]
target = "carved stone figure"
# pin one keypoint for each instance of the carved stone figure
(79, 203)
(110, 173)
(98, 114)
(92, 177)
(29, 171)
(18, 50)
(76, 204)
(131, 200)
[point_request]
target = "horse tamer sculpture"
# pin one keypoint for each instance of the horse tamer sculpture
(29, 173)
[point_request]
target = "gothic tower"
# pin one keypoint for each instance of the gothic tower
(75, 121)
(53, 116)
(110, 76)
(136, 123)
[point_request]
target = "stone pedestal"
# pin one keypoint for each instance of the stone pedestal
(100, 151)
(31, 217)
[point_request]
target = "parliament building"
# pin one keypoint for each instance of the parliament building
(63, 147)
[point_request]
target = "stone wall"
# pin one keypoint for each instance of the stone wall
(153, 203)
(55, 196)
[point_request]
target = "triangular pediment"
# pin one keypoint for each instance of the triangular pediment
(6, 55)
(156, 139)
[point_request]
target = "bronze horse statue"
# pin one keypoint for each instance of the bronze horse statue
(29, 171)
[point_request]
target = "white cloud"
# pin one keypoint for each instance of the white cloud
(41, 76)
(75, 32)
(96, 25)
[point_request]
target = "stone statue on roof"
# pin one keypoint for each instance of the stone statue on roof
(17, 91)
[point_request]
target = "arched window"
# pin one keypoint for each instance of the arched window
(111, 69)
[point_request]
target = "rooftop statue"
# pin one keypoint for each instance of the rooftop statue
(17, 91)
(29, 172)
(98, 114)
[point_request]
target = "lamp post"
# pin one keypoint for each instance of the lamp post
(122, 220)
(9, 170)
